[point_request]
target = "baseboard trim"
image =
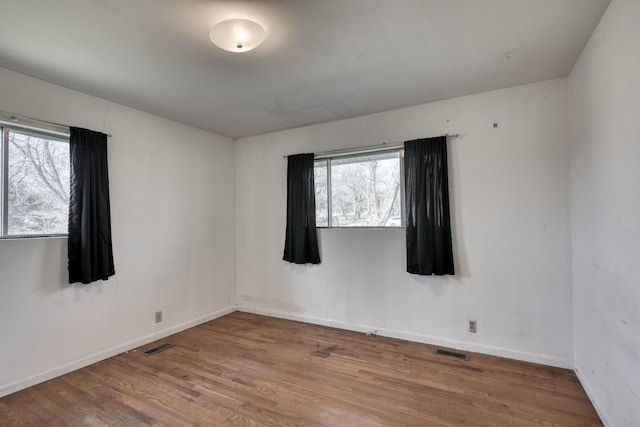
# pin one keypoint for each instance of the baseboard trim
(592, 397)
(409, 336)
(105, 354)
(542, 359)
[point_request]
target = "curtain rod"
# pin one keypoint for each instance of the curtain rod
(356, 150)
(15, 118)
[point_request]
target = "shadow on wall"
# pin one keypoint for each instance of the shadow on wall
(44, 263)
(455, 202)
(436, 284)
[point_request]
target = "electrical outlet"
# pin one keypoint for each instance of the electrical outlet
(473, 326)
(158, 316)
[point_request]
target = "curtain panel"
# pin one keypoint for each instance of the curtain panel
(89, 242)
(429, 244)
(301, 240)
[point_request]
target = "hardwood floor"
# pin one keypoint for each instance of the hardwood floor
(249, 370)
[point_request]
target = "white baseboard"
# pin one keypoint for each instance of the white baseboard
(542, 359)
(592, 397)
(105, 354)
(409, 336)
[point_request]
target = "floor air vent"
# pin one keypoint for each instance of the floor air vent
(158, 349)
(460, 356)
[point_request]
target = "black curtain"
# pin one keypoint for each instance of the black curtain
(89, 242)
(301, 240)
(429, 246)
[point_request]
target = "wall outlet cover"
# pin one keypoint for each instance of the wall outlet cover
(473, 326)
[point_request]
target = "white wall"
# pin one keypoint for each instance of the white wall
(172, 204)
(604, 119)
(510, 208)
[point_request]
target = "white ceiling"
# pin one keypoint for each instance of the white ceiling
(323, 60)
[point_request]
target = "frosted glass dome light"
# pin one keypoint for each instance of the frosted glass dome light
(237, 35)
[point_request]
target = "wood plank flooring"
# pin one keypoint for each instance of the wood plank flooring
(249, 370)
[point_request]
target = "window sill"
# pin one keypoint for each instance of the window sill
(39, 236)
(359, 228)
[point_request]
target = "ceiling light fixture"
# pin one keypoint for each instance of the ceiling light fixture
(237, 35)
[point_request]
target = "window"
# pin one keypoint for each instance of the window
(34, 178)
(360, 190)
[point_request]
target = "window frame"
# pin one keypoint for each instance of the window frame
(50, 132)
(361, 153)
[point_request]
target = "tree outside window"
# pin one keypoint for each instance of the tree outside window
(36, 184)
